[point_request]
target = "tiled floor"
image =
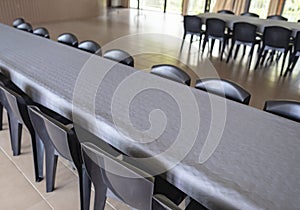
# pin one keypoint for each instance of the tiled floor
(152, 38)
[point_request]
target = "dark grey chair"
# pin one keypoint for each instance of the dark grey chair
(68, 39)
(225, 89)
(275, 39)
(284, 108)
(224, 11)
(131, 185)
(277, 17)
(15, 102)
(295, 55)
(25, 27)
(249, 14)
(59, 138)
(216, 30)
(90, 46)
(17, 22)
(245, 34)
(41, 31)
(119, 56)
(192, 25)
(171, 72)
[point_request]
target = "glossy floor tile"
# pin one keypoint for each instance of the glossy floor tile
(152, 38)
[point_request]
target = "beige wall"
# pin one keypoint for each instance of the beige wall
(37, 11)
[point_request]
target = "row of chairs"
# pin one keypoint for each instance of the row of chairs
(71, 40)
(228, 89)
(273, 39)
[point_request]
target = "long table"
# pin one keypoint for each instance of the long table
(223, 154)
(260, 23)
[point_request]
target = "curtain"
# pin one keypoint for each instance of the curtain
(239, 6)
(275, 7)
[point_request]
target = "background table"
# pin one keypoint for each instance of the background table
(260, 23)
(254, 166)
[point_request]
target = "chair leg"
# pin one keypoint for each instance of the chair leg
(51, 165)
(258, 58)
(1, 117)
(38, 156)
(236, 51)
(230, 52)
(223, 48)
(244, 51)
(100, 198)
(191, 40)
(85, 189)
(15, 131)
(283, 62)
(200, 38)
(212, 45)
(204, 43)
(250, 56)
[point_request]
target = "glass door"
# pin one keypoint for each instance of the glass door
(174, 6)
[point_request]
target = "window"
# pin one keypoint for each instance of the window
(291, 10)
(196, 7)
(260, 7)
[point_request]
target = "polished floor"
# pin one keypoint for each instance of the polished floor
(152, 38)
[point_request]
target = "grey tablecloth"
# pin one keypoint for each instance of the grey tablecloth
(253, 162)
(260, 23)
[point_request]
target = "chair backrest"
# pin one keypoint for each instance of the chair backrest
(90, 46)
(25, 27)
(41, 31)
(249, 14)
(277, 17)
(17, 22)
(51, 130)
(244, 32)
(68, 39)
(225, 89)
(215, 27)
(9, 99)
(130, 184)
(192, 23)
(297, 42)
(284, 108)
(276, 36)
(171, 72)
(119, 56)
(224, 11)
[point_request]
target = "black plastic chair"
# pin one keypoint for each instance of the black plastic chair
(90, 46)
(224, 11)
(192, 25)
(295, 55)
(215, 29)
(119, 56)
(171, 72)
(41, 31)
(131, 185)
(225, 89)
(275, 38)
(17, 22)
(59, 138)
(243, 33)
(284, 108)
(277, 17)
(68, 39)
(249, 14)
(25, 27)
(15, 102)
